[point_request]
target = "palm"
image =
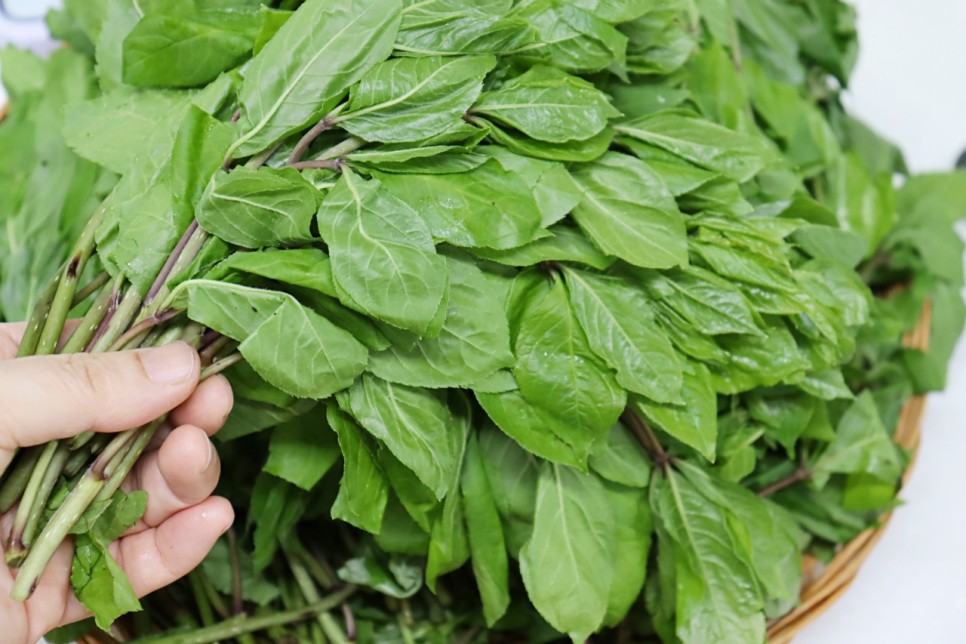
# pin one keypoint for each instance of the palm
(179, 472)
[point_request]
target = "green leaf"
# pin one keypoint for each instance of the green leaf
(418, 501)
(146, 122)
(96, 578)
(398, 578)
(863, 204)
(255, 208)
(768, 536)
(271, 20)
(410, 99)
(710, 304)
(276, 507)
(577, 151)
(291, 346)
(302, 450)
(486, 206)
(449, 546)
(99, 583)
(363, 491)
(557, 371)
(534, 428)
(548, 105)
(717, 593)
(629, 212)
(621, 459)
(554, 190)
(695, 422)
(121, 17)
(21, 72)
(735, 155)
(316, 358)
(485, 534)
(569, 562)
(620, 327)
(473, 344)
(633, 528)
(657, 44)
(616, 11)
(565, 245)
(307, 66)
(383, 257)
(305, 267)
(181, 50)
(413, 423)
(861, 445)
(759, 361)
(575, 39)
(446, 27)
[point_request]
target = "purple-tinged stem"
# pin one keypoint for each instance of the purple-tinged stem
(169, 264)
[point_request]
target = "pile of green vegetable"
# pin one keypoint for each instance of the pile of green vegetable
(553, 317)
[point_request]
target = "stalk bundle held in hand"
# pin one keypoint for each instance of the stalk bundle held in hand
(553, 316)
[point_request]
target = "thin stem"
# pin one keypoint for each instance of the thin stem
(116, 321)
(81, 456)
(311, 594)
(38, 318)
(117, 445)
(112, 306)
(316, 566)
(186, 255)
(647, 438)
(237, 590)
(803, 473)
(220, 365)
(323, 164)
(165, 272)
(91, 287)
(243, 624)
(216, 600)
(54, 534)
(16, 549)
(342, 149)
(141, 328)
(350, 621)
(51, 476)
(311, 136)
(202, 601)
(260, 160)
(19, 476)
(63, 300)
(90, 323)
(211, 350)
(118, 469)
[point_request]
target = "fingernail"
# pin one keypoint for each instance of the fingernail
(211, 456)
(170, 364)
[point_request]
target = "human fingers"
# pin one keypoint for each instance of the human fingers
(51, 397)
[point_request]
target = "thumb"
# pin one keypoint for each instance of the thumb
(48, 397)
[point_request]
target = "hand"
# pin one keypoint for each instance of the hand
(51, 397)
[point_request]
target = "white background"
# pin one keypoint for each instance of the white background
(910, 85)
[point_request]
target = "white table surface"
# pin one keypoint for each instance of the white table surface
(911, 86)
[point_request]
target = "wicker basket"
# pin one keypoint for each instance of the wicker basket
(821, 585)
